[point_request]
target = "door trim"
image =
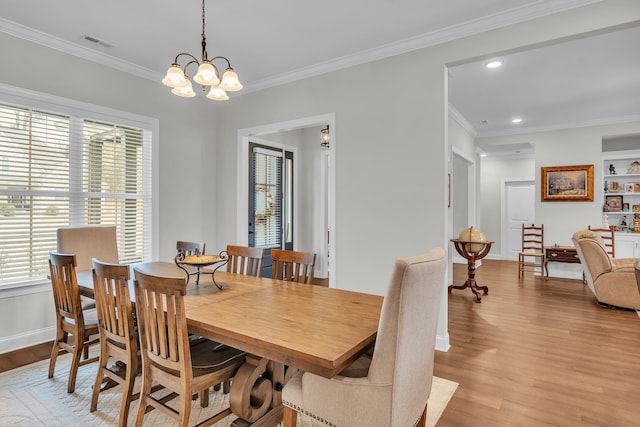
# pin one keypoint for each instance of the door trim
(242, 194)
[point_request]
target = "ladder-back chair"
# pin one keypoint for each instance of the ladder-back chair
(609, 238)
(532, 247)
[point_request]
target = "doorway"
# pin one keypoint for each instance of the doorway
(313, 181)
(519, 208)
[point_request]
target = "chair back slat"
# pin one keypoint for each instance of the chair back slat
(245, 260)
(292, 265)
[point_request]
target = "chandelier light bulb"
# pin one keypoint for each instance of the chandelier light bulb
(175, 77)
(217, 94)
(230, 80)
(207, 74)
(184, 91)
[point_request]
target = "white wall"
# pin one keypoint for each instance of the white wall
(579, 146)
(391, 143)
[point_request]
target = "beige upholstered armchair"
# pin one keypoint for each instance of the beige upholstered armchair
(391, 388)
(612, 280)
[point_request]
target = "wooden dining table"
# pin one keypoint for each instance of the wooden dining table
(283, 326)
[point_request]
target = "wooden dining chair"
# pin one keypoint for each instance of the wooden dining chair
(71, 319)
(118, 340)
(391, 388)
(186, 249)
(245, 260)
(292, 266)
(609, 237)
(532, 247)
(184, 365)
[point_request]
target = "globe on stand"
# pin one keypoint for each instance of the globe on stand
(473, 235)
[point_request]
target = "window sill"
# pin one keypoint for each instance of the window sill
(35, 286)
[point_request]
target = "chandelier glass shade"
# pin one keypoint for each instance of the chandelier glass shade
(207, 74)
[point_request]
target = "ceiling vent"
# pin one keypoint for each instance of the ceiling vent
(95, 40)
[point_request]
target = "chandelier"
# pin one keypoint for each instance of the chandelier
(207, 74)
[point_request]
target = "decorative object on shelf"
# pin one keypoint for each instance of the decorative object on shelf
(324, 137)
(635, 208)
(605, 221)
(636, 187)
(606, 186)
(628, 187)
(614, 187)
(636, 223)
(567, 183)
(605, 208)
(634, 168)
(625, 207)
(473, 235)
(612, 169)
(623, 223)
(207, 74)
(614, 202)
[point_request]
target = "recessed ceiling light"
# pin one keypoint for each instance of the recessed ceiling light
(493, 64)
(516, 120)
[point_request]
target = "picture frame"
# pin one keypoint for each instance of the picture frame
(625, 207)
(568, 184)
(614, 202)
(628, 187)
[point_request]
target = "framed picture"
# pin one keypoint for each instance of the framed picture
(568, 184)
(614, 202)
(635, 208)
(625, 207)
(628, 187)
(636, 187)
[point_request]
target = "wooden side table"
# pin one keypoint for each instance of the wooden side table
(471, 257)
(567, 254)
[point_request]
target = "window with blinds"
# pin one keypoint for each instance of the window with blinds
(267, 182)
(59, 170)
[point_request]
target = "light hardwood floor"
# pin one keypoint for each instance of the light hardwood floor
(533, 353)
(538, 353)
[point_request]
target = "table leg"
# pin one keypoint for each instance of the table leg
(256, 393)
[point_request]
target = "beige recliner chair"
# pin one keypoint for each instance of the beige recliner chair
(612, 280)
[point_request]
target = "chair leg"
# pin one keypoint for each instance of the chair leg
(144, 392)
(54, 357)
(75, 363)
(204, 398)
(290, 417)
(185, 408)
(127, 393)
(98, 382)
(423, 419)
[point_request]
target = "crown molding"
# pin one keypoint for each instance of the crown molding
(562, 126)
(502, 19)
(462, 121)
(53, 42)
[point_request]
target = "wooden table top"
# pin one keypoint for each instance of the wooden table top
(313, 328)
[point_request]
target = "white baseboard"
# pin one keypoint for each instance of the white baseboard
(27, 339)
(442, 343)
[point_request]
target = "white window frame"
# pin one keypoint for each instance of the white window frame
(79, 111)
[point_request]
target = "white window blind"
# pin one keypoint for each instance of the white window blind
(60, 171)
(268, 198)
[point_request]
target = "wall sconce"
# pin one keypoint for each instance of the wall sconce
(324, 137)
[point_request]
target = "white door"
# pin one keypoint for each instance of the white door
(520, 209)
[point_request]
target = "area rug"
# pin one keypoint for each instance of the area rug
(29, 398)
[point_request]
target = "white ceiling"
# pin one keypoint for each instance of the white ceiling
(273, 42)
